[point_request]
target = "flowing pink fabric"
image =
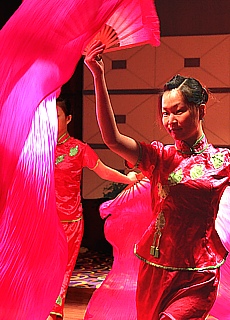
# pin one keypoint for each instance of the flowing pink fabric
(129, 214)
(40, 47)
(33, 248)
(221, 308)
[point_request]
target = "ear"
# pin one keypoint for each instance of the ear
(68, 119)
(202, 111)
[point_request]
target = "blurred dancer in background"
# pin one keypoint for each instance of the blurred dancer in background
(72, 155)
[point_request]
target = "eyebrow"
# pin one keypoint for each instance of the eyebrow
(174, 106)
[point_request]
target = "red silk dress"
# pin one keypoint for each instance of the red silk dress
(181, 251)
(72, 156)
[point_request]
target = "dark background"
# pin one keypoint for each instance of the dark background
(178, 17)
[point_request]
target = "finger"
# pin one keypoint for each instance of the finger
(94, 53)
(96, 45)
(98, 57)
(140, 176)
(97, 42)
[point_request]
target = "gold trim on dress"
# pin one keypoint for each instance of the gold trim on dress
(177, 268)
(138, 160)
(76, 220)
(57, 314)
(98, 160)
(62, 136)
(192, 149)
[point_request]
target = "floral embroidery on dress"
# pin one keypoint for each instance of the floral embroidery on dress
(217, 160)
(59, 301)
(163, 190)
(60, 158)
(175, 177)
(197, 171)
(73, 151)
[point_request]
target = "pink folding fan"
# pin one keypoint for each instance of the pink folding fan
(133, 23)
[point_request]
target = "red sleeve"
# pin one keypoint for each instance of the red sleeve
(90, 157)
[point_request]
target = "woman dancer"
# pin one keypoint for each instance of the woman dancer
(181, 251)
(72, 155)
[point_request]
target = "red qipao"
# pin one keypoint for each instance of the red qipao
(72, 156)
(181, 251)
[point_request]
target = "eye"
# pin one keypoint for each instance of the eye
(180, 111)
(164, 114)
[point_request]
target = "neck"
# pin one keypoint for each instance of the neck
(194, 142)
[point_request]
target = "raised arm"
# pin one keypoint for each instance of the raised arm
(123, 145)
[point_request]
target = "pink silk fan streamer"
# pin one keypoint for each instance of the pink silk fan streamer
(30, 231)
(129, 215)
(221, 308)
(40, 47)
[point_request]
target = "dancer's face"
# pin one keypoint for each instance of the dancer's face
(63, 121)
(182, 122)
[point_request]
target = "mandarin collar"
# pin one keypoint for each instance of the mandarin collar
(62, 139)
(198, 147)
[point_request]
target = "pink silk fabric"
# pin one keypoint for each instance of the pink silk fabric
(128, 217)
(33, 245)
(221, 308)
(40, 47)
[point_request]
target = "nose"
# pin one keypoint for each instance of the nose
(171, 118)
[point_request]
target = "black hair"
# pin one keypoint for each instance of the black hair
(191, 89)
(193, 92)
(65, 104)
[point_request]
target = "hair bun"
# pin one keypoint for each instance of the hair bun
(204, 95)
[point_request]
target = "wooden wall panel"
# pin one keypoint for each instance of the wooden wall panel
(134, 91)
